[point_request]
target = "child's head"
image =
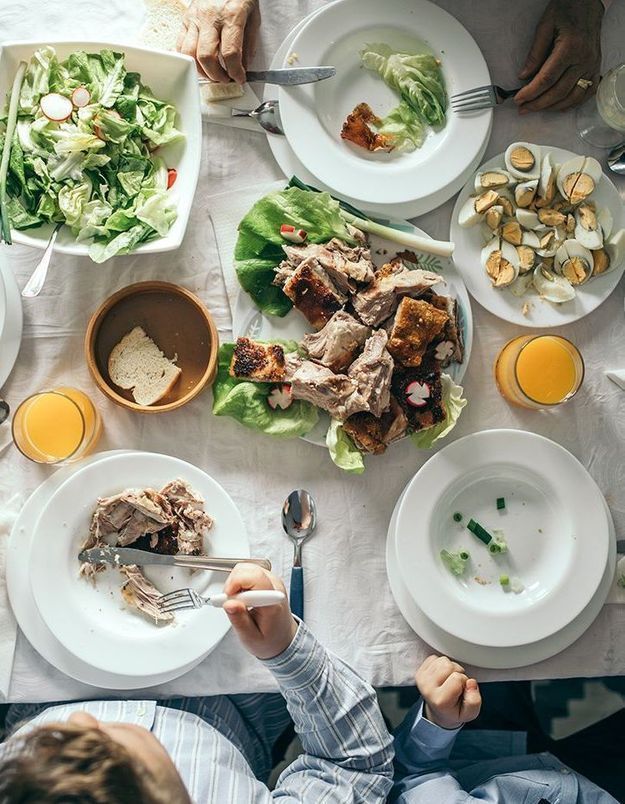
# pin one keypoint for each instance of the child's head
(90, 762)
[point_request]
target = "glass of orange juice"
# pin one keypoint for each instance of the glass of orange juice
(539, 371)
(57, 426)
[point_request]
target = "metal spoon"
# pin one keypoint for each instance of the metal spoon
(616, 159)
(267, 115)
(4, 410)
(299, 518)
(35, 283)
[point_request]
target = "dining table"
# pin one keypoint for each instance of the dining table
(349, 605)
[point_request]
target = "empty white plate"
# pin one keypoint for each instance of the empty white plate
(554, 523)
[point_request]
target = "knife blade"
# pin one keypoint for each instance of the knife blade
(286, 76)
(122, 556)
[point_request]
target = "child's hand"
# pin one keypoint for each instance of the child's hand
(265, 632)
(450, 697)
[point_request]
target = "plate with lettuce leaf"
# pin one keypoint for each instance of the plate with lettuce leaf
(348, 332)
(381, 131)
(103, 139)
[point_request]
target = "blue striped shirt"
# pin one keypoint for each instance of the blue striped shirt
(222, 745)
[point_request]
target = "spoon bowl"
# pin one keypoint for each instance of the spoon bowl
(5, 410)
(616, 159)
(267, 115)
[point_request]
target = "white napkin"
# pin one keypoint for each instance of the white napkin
(617, 376)
(219, 111)
(8, 626)
(617, 592)
(226, 211)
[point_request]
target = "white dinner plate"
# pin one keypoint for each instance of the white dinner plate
(312, 115)
(291, 165)
(91, 620)
(3, 305)
(23, 602)
(249, 321)
(483, 655)
(11, 330)
(554, 522)
(501, 302)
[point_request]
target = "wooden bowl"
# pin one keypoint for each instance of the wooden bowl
(179, 324)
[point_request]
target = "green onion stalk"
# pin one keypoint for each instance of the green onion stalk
(6, 151)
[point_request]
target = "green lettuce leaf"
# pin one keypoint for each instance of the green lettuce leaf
(72, 201)
(121, 244)
(404, 127)
(247, 401)
(454, 403)
(157, 211)
(343, 451)
(259, 246)
(20, 217)
(130, 181)
(418, 78)
(37, 79)
(102, 73)
(111, 126)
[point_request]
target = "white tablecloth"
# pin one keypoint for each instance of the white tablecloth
(349, 605)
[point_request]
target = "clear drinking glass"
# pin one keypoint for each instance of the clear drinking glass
(601, 120)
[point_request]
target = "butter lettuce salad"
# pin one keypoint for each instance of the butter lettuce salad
(82, 138)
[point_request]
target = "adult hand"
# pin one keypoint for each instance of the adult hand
(567, 47)
(267, 631)
(221, 36)
(450, 697)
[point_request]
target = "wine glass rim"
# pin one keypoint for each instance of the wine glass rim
(568, 396)
(68, 399)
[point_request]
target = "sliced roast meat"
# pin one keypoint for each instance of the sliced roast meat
(338, 343)
(449, 347)
(257, 362)
(372, 373)
(415, 326)
(336, 393)
(313, 293)
(373, 435)
(142, 595)
(419, 392)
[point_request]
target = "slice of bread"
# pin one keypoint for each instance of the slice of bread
(163, 19)
(136, 363)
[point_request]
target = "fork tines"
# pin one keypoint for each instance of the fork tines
(180, 599)
(474, 99)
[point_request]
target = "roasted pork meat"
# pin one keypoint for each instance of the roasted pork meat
(347, 265)
(357, 129)
(417, 323)
(379, 300)
(338, 394)
(372, 372)
(449, 346)
(258, 362)
(419, 392)
(142, 595)
(373, 435)
(338, 343)
(313, 293)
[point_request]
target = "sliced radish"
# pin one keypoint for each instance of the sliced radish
(280, 397)
(81, 97)
(56, 107)
(96, 128)
(417, 394)
(172, 175)
(292, 234)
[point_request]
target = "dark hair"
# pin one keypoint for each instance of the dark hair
(65, 764)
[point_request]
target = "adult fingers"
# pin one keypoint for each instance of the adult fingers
(471, 700)
(556, 94)
(538, 52)
(576, 96)
(181, 36)
(189, 42)
(232, 35)
(250, 41)
(208, 52)
(547, 76)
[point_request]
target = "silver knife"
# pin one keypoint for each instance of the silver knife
(287, 76)
(118, 556)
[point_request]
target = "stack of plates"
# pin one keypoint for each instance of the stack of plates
(10, 321)
(85, 630)
(561, 547)
(402, 185)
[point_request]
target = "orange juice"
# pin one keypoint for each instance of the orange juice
(56, 426)
(539, 371)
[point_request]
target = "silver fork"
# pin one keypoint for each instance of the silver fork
(189, 599)
(481, 98)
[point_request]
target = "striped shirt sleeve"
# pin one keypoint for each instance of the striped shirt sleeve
(348, 754)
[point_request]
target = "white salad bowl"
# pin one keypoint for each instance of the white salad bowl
(172, 77)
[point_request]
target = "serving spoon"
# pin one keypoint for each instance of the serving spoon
(267, 115)
(299, 519)
(33, 287)
(616, 159)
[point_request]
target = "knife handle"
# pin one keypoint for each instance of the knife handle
(218, 564)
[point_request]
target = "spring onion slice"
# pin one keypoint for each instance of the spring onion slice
(501, 503)
(455, 562)
(457, 517)
(481, 533)
(6, 151)
(504, 580)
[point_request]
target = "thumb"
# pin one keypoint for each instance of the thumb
(538, 52)
(471, 700)
(241, 619)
